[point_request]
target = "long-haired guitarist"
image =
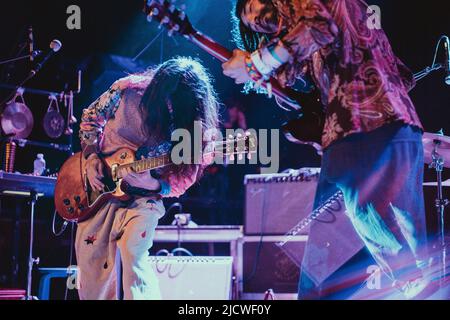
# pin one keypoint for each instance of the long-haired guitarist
(372, 134)
(138, 112)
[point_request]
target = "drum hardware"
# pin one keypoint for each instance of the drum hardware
(439, 142)
(442, 147)
(445, 183)
(31, 260)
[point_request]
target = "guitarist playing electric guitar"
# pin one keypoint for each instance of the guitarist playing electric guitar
(372, 137)
(138, 112)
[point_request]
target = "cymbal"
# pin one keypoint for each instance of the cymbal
(429, 142)
(445, 183)
(17, 120)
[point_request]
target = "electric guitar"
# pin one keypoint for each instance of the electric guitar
(76, 201)
(305, 128)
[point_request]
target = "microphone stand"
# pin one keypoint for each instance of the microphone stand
(425, 72)
(34, 55)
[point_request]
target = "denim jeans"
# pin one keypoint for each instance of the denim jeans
(380, 174)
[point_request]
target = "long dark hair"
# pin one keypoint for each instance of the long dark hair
(184, 86)
(244, 37)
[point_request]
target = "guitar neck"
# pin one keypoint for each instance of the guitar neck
(223, 54)
(149, 163)
(209, 45)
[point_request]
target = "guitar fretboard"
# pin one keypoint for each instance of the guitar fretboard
(148, 164)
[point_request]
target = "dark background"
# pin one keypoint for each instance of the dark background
(113, 32)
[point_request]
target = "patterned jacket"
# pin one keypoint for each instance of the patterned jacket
(363, 84)
(115, 121)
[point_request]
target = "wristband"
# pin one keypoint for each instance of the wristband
(259, 64)
(251, 70)
(268, 57)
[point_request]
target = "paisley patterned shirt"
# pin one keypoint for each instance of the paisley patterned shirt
(115, 121)
(363, 84)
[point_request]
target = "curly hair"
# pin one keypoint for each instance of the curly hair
(244, 37)
(184, 86)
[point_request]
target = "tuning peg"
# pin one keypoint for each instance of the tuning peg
(164, 21)
(174, 29)
(182, 14)
(154, 12)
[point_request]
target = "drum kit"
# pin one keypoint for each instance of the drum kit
(437, 156)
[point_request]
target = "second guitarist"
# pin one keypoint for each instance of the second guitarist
(372, 137)
(138, 112)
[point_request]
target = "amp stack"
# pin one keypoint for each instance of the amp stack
(274, 204)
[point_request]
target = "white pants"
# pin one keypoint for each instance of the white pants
(129, 229)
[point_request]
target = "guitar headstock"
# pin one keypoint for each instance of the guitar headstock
(238, 146)
(168, 15)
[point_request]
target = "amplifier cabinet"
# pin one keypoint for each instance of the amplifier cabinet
(193, 278)
(274, 203)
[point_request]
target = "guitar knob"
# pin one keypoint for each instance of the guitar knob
(77, 199)
(66, 202)
(81, 207)
(71, 210)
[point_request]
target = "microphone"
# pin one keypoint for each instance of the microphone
(447, 59)
(55, 46)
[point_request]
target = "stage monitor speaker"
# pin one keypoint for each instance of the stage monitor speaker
(274, 203)
(193, 278)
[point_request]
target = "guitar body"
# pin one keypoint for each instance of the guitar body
(304, 130)
(307, 126)
(75, 200)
